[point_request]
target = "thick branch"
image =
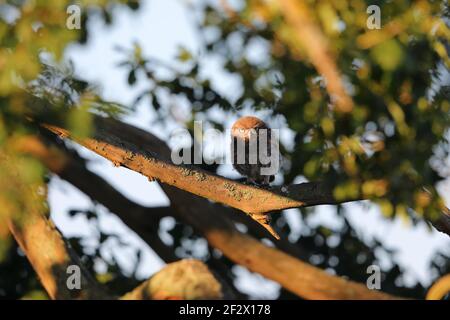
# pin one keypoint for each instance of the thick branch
(250, 199)
(50, 257)
(142, 220)
(46, 249)
(296, 276)
(187, 279)
(253, 200)
(439, 289)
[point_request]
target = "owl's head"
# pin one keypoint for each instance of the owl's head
(244, 126)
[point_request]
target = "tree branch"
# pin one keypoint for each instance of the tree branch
(253, 200)
(186, 279)
(68, 165)
(250, 199)
(439, 289)
(308, 34)
(296, 276)
(142, 220)
(46, 249)
(50, 257)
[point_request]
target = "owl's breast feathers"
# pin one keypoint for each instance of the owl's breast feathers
(242, 130)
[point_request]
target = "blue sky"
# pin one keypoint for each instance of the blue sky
(160, 27)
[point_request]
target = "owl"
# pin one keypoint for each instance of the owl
(247, 160)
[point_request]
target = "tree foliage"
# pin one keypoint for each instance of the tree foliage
(391, 147)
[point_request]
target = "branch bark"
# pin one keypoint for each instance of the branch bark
(68, 165)
(142, 220)
(186, 279)
(50, 257)
(253, 200)
(46, 249)
(299, 277)
(439, 289)
(250, 199)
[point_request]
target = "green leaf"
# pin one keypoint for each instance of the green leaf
(388, 55)
(184, 55)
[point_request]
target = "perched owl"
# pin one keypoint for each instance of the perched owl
(247, 131)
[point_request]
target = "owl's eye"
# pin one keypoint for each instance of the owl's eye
(241, 132)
